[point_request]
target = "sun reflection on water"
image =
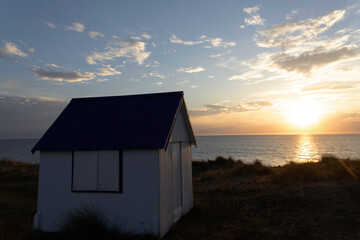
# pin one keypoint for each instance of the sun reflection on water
(306, 149)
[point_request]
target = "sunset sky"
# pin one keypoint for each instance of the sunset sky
(246, 67)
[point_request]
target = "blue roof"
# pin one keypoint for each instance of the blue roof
(119, 122)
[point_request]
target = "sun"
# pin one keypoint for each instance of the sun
(303, 114)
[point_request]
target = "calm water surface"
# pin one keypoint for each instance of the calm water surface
(270, 149)
(277, 149)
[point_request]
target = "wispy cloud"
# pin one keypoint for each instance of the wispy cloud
(155, 74)
(308, 60)
(76, 26)
(247, 75)
(146, 36)
(11, 49)
(296, 33)
(175, 39)
(218, 42)
(63, 76)
(102, 80)
(118, 48)
(254, 18)
(108, 71)
(292, 14)
(213, 109)
(50, 24)
(153, 64)
(183, 82)
(158, 75)
(27, 117)
(214, 42)
(95, 35)
(159, 83)
(299, 48)
(328, 87)
(191, 69)
(52, 65)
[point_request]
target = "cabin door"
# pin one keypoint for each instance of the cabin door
(176, 180)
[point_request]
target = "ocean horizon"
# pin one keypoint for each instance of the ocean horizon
(271, 150)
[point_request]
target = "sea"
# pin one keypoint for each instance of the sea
(271, 150)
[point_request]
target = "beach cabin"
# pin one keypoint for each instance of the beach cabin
(129, 156)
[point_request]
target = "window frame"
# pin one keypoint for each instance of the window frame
(120, 190)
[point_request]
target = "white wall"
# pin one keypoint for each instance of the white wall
(187, 177)
(179, 134)
(166, 208)
(136, 208)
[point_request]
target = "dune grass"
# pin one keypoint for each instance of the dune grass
(232, 200)
(238, 200)
(18, 194)
(329, 168)
(88, 223)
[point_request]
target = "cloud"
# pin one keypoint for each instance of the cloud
(159, 83)
(77, 27)
(63, 76)
(252, 10)
(218, 42)
(254, 18)
(31, 50)
(10, 49)
(214, 42)
(183, 82)
(191, 69)
(327, 87)
(52, 65)
(247, 75)
(120, 48)
(296, 33)
(108, 71)
(157, 75)
(231, 63)
(27, 117)
(146, 36)
(154, 64)
(95, 35)
(308, 60)
(175, 39)
(290, 15)
(216, 55)
(302, 51)
(50, 24)
(102, 80)
(213, 109)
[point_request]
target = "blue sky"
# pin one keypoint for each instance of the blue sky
(244, 65)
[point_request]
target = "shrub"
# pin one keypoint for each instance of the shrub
(257, 168)
(224, 161)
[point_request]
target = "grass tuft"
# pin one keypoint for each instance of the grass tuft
(245, 170)
(329, 168)
(88, 223)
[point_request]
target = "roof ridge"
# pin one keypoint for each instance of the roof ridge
(127, 96)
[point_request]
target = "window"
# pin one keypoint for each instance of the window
(97, 171)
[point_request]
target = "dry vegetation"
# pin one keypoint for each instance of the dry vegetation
(18, 193)
(232, 200)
